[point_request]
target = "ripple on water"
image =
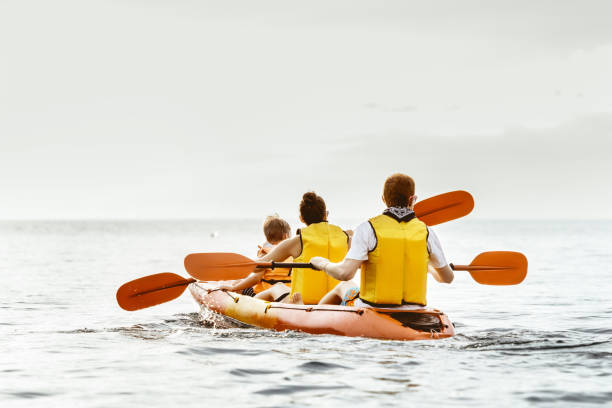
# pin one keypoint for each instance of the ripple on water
(148, 331)
(395, 380)
(315, 366)
(292, 389)
(597, 330)
(206, 351)
(597, 355)
(579, 397)
(245, 372)
(545, 347)
(30, 394)
(78, 331)
(185, 320)
(145, 331)
(527, 341)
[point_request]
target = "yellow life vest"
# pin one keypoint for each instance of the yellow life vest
(320, 239)
(396, 270)
(272, 276)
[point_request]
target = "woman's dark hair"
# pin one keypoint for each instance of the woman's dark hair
(312, 208)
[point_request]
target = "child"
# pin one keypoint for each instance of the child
(264, 284)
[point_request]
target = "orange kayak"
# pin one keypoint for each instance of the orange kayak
(418, 324)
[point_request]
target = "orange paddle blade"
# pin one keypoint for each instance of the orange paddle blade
(151, 290)
(444, 207)
(218, 266)
(497, 268)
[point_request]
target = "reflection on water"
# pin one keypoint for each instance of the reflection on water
(66, 343)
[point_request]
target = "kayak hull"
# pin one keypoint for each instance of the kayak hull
(418, 324)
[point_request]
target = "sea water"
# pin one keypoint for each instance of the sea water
(64, 341)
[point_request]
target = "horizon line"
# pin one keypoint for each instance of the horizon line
(259, 218)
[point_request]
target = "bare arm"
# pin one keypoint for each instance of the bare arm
(253, 279)
(343, 271)
(289, 247)
(443, 275)
(443, 272)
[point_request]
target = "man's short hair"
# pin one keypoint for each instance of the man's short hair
(398, 190)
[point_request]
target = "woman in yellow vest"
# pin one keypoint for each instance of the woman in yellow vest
(394, 251)
(317, 239)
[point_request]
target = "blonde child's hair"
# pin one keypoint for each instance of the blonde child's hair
(275, 229)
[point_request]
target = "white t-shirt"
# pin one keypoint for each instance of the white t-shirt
(364, 241)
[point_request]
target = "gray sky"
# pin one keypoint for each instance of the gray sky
(164, 109)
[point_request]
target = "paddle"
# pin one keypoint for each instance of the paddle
(151, 290)
(488, 268)
(496, 268)
(229, 266)
(444, 207)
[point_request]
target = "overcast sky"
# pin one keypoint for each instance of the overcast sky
(198, 109)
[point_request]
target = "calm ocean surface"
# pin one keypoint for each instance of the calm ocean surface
(65, 342)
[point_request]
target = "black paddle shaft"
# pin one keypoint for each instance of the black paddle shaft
(287, 265)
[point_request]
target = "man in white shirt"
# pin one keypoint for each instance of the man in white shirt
(377, 249)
